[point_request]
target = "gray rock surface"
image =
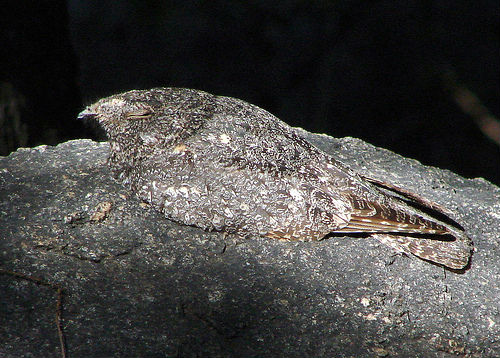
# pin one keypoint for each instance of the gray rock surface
(137, 284)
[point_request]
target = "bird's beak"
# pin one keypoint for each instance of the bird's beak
(87, 114)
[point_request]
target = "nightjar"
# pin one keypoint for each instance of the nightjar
(220, 163)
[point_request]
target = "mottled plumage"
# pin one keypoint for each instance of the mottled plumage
(223, 164)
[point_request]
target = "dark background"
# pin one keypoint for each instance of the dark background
(383, 71)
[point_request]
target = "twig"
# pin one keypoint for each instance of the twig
(59, 290)
(471, 105)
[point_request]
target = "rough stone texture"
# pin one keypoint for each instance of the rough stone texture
(137, 284)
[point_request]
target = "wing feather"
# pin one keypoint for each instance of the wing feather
(376, 217)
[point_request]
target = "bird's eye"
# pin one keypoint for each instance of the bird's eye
(142, 113)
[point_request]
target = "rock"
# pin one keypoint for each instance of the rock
(137, 284)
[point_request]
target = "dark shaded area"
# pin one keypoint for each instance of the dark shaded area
(373, 70)
(39, 96)
(137, 284)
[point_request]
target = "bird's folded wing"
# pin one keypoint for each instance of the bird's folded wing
(375, 217)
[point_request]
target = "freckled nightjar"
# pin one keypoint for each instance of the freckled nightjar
(220, 163)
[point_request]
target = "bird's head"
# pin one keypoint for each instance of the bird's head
(151, 115)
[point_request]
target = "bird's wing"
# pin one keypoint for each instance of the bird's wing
(374, 217)
(409, 195)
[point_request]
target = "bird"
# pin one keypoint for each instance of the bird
(222, 164)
